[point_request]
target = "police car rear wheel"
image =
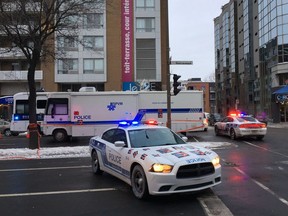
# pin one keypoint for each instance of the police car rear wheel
(259, 137)
(139, 183)
(232, 134)
(95, 164)
(216, 131)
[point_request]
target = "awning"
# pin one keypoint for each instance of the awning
(283, 90)
(6, 100)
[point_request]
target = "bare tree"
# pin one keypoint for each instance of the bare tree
(30, 26)
(210, 78)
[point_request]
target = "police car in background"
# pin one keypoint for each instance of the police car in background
(154, 160)
(240, 125)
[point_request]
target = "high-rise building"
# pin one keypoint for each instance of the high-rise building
(226, 67)
(251, 43)
(123, 45)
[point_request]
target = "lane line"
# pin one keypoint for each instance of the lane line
(195, 139)
(44, 168)
(56, 192)
(263, 187)
(213, 206)
(274, 152)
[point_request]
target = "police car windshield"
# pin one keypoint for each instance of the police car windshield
(246, 118)
(149, 137)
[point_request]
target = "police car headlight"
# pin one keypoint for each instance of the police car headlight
(216, 161)
(161, 168)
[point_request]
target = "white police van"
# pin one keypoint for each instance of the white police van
(75, 114)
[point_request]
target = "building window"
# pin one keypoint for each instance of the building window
(145, 4)
(70, 21)
(145, 24)
(67, 43)
(93, 43)
(145, 59)
(93, 66)
(67, 66)
(93, 20)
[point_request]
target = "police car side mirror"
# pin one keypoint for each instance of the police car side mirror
(120, 144)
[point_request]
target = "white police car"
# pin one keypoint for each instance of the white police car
(240, 125)
(154, 160)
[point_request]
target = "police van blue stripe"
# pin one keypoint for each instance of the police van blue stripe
(140, 114)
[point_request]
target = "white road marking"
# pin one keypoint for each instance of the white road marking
(257, 182)
(213, 206)
(195, 139)
(56, 192)
(263, 186)
(274, 152)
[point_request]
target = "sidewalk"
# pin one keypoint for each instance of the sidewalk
(278, 125)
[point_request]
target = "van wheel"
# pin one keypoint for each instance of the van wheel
(7, 133)
(60, 135)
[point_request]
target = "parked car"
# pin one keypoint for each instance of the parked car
(5, 128)
(214, 117)
(237, 126)
(262, 118)
(154, 160)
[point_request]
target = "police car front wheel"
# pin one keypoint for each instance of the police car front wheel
(139, 183)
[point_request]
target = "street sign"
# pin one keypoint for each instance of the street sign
(181, 62)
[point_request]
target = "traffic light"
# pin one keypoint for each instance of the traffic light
(176, 84)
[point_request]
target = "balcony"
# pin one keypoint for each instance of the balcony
(19, 75)
(5, 53)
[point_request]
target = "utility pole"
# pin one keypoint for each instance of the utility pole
(168, 97)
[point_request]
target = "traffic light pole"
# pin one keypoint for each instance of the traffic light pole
(175, 84)
(168, 98)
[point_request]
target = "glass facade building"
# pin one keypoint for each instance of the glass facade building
(258, 41)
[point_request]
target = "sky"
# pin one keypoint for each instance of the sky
(191, 36)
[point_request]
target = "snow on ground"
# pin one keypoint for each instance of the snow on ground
(55, 152)
(70, 152)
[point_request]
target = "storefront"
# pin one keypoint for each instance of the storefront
(281, 99)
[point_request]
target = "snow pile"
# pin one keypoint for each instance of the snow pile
(79, 151)
(56, 152)
(213, 145)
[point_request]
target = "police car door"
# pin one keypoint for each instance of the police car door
(228, 125)
(223, 123)
(115, 154)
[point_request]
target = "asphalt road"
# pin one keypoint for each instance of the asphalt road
(254, 182)
(22, 142)
(68, 187)
(254, 174)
